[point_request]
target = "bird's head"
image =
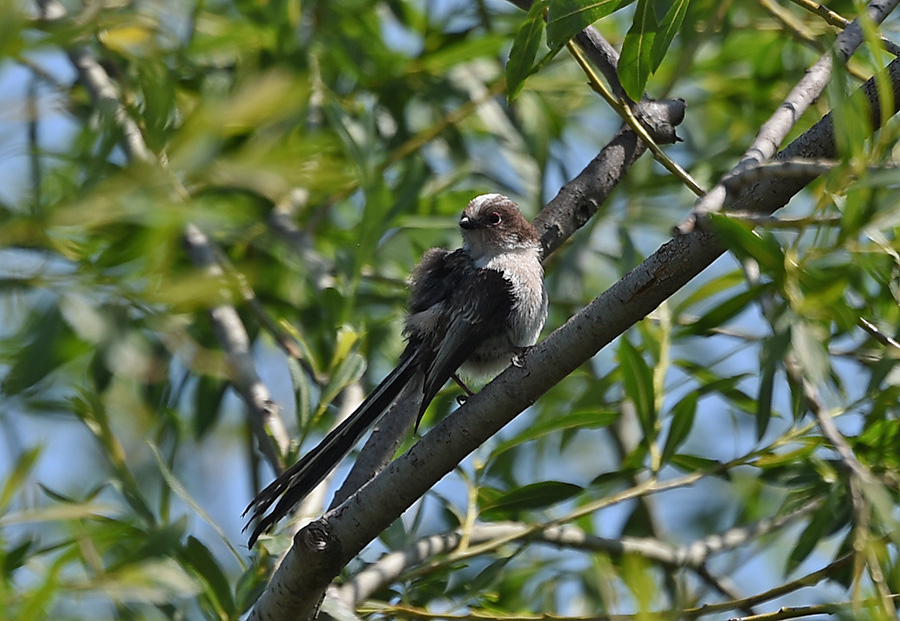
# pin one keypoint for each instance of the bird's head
(491, 223)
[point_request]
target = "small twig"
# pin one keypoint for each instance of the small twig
(724, 585)
(839, 21)
(626, 113)
(826, 422)
(802, 33)
(790, 168)
(796, 612)
(810, 579)
(879, 336)
(831, 18)
(605, 57)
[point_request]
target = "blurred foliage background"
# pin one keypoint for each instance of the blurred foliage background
(321, 147)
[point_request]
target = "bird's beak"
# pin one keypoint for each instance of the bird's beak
(466, 222)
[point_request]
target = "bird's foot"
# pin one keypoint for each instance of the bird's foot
(518, 358)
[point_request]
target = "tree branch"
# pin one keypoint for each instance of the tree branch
(242, 370)
(775, 130)
(298, 585)
(392, 566)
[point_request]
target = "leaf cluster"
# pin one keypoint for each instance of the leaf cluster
(322, 147)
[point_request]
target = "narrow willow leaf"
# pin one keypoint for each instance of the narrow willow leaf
(694, 463)
(668, 28)
(813, 533)
(725, 311)
(534, 496)
(773, 351)
(735, 278)
(682, 422)
(182, 492)
(20, 473)
(566, 18)
(763, 247)
(636, 61)
(809, 342)
(349, 370)
(302, 390)
(204, 563)
(524, 49)
(638, 379)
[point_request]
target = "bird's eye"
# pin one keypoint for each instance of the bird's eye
(494, 219)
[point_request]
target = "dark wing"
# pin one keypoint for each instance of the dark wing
(434, 278)
(478, 307)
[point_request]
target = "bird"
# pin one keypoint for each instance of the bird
(473, 310)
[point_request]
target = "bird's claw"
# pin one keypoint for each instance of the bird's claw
(518, 359)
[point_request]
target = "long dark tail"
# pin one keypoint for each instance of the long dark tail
(301, 478)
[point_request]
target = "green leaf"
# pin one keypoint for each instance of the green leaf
(566, 18)
(71, 511)
(849, 113)
(207, 404)
(772, 354)
(615, 477)
(24, 466)
(347, 365)
(16, 557)
(488, 576)
(524, 49)
(693, 463)
(251, 584)
(217, 584)
(463, 51)
(668, 28)
(182, 492)
(817, 528)
(47, 342)
(302, 391)
(810, 343)
(743, 241)
(725, 311)
(710, 382)
(636, 61)
(776, 460)
(533, 496)
(638, 379)
(734, 278)
(639, 522)
(682, 421)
